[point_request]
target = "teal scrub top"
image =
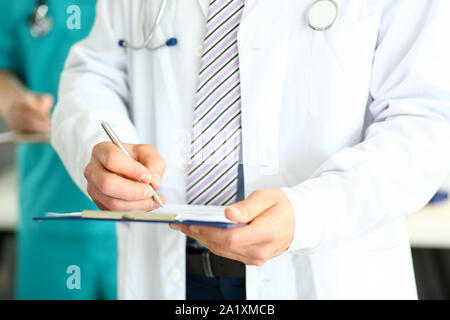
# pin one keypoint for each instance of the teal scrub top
(44, 185)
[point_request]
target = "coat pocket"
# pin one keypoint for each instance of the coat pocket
(341, 60)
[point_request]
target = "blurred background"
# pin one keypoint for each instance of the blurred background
(8, 217)
(38, 260)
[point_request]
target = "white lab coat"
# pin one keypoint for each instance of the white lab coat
(352, 123)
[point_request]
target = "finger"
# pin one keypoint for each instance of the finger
(229, 239)
(32, 108)
(114, 204)
(269, 229)
(45, 104)
(28, 100)
(152, 160)
(100, 206)
(30, 123)
(40, 104)
(45, 101)
(116, 161)
(251, 246)
(213, 247)
(38, 126)
(256, 203)
(113, 185)
(156, 204)
(36, 122)
(25, 106)
(245, 255)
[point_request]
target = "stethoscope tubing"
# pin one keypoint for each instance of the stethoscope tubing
(174, 41)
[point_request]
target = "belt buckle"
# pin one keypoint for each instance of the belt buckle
(206, 261)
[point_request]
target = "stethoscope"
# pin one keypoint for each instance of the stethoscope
(171, 42)
(321, 16)
(40, 21)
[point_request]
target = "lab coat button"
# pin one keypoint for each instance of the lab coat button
(199, 51)
(175, 274)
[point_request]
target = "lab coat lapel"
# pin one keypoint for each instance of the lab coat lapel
(249, 8)
(204, 6)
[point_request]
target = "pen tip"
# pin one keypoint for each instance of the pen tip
(159, 201)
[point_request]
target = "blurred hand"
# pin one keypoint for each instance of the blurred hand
(269, 233)
(119, 183)
(30, 113)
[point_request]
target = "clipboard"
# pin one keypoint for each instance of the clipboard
(11, 137)
(210, 216)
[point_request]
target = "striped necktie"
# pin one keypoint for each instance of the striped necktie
(216, 134)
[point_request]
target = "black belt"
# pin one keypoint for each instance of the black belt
(204, 262)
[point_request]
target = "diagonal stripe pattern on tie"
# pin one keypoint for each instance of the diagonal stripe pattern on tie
(216, 134)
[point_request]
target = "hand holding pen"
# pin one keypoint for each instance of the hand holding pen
(124, 181)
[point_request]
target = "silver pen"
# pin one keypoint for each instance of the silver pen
(115, 139)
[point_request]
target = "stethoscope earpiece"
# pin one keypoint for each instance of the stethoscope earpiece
(122, 43)
(172, 42)
(323, 14)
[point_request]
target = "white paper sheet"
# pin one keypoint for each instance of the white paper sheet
(183, 212)
(195, 212)
(71, 214)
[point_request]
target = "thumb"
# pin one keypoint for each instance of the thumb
(45, 102)
(255, 204)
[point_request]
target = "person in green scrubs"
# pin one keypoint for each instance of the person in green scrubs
(56, 259)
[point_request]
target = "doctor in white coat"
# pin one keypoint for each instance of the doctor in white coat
(344, 132)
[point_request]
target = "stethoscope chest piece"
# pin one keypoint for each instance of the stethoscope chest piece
(40, 21)
(323, 14)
